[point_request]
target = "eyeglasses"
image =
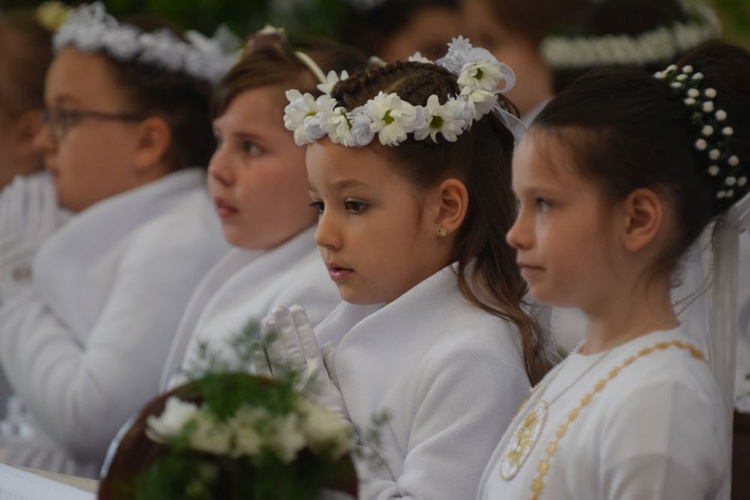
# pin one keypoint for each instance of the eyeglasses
(60, 120)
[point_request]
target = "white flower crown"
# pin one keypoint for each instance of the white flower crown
(657, 46)
(392, 119)
(714, 136)
(91, 29)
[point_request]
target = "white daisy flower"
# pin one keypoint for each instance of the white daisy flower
(393, 118)
(332, 78)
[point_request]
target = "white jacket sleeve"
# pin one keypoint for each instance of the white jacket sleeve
(81, 392)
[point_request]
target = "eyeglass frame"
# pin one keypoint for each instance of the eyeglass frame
(59, 121)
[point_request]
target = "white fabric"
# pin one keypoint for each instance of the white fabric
(656, 431)
(246, 285)
(83, 348)
(28, 215)
(528, 118)
(450, 376)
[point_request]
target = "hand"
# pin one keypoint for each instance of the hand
(290, 346)
(28, 215)
(28, 207)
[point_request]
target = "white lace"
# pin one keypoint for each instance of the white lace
(90, 28)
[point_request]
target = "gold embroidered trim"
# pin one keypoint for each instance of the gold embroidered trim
(537, 485)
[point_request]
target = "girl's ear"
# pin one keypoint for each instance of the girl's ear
(643, 219)
(452, 200)
(154, 138)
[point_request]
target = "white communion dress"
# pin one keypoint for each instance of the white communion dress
(448, 375)
(245, 286)
(83, 346)
(641, 421)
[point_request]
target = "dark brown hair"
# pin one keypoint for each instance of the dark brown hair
(370, 29)
(481, 157)
(182, 100)
(272, 61)
(626, 130)
(25, 55)
(535, 19)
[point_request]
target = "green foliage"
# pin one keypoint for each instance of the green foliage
(245, 437)
(318, 17)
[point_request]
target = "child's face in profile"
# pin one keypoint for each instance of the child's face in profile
(376, 231)
(257, 174)
(90, 159)
(561, 233)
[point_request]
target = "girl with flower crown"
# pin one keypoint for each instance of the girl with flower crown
(127, 130)
(258, 182)
(616, 178)
(408, 166)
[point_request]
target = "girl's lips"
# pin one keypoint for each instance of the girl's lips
(224, 209)
(339, 273)
(526, 269)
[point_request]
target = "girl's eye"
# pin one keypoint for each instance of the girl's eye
(219, 140)
(355, 207)
(543, 204)
(318, 205)
(251, 148)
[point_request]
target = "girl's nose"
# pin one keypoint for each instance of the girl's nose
(220, 169)
(326, 234)
(43, 141)
(518, 236)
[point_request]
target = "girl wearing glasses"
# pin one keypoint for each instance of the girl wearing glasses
(127, 130)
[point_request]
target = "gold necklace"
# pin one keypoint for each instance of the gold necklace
(537, 484)
(527, 433)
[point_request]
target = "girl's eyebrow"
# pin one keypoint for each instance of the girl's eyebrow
(342, 185)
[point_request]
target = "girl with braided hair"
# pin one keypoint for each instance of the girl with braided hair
(616, 178)
(408, 166)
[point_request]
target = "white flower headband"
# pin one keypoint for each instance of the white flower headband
(713, 134)
(392, 119)
(657, 46)
(90, 28)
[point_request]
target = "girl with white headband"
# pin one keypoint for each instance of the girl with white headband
(258, 183)
(616, 178)
(85, 330)
(408, 166)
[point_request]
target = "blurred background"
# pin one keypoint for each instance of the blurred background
(323, 17)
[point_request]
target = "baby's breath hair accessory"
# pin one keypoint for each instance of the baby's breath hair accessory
(90, 28)
(713, 134)
(393, 119)
(654, 47)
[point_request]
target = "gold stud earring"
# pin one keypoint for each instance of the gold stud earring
(442, 232)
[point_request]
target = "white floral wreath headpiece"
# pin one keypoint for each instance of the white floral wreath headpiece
(90, 28)
(657, 46)
(392, 119)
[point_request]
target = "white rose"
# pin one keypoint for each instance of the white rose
(176, 414)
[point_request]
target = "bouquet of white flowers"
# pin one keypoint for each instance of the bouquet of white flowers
(230, 435)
